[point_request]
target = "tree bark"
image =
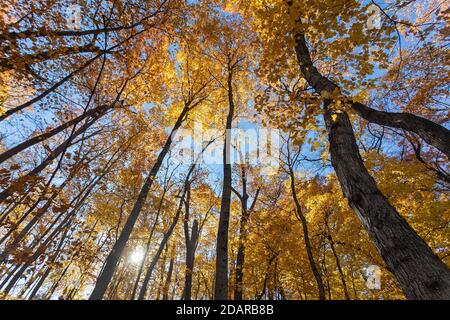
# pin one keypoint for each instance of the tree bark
(421, 274)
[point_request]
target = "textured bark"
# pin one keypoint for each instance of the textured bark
(421, 274)
(116, 252)
(221, 276)
(190, 260)
(240, 260)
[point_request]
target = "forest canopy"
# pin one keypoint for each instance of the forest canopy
(224, 149)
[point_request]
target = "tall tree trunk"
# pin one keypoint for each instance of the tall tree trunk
(336, 258)
(221, 276)
(147, 246)
(165, 294)
(116, 252)
(165, 238)
(245, 215)
(421, 274)
(240, 260)
(190, 260)
(191, 245)
(162, 244)
(308, 246)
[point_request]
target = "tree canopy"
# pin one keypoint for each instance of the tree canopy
(224, 149)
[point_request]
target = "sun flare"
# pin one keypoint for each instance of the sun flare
(137, 256)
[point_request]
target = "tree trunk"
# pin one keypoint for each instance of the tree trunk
(165, 295)
(116, 252)
(245, 215)
(166, 237)
(191, 245)
(338, 263)
(308, 246)
(240, 259)
(221, 276)
(162, 244)
(421, 274)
